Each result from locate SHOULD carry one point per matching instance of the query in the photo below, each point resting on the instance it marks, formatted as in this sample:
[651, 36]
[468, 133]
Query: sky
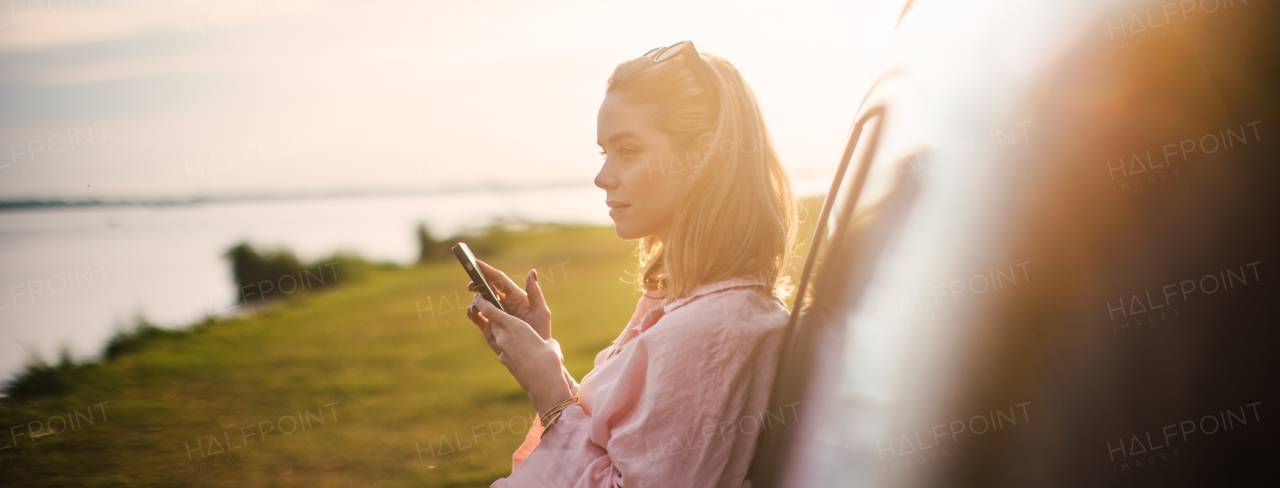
[149, 99]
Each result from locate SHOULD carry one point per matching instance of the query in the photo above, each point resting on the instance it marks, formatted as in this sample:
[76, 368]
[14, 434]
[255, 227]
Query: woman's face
[640, 186]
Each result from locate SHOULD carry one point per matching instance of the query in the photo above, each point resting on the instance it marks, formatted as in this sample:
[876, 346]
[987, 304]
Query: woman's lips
[615, 206]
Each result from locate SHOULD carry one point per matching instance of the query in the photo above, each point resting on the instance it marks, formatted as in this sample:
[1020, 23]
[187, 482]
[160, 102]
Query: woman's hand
[530, 307]
[483, 323]
[535, 362]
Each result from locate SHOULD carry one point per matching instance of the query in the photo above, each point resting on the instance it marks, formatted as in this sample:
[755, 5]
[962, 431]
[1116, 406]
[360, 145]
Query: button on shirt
[679, 399]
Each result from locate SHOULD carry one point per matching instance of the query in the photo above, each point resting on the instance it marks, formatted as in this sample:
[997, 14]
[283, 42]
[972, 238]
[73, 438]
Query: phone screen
[468, 261]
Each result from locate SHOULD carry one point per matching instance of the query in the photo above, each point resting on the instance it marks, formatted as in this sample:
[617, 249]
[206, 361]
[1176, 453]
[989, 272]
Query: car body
[1048, 258]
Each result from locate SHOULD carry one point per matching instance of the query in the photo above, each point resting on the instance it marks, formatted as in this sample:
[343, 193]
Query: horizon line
[304, 195]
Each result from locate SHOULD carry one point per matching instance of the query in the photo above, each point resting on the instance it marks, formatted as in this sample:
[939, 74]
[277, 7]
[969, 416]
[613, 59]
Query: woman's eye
[625, 153]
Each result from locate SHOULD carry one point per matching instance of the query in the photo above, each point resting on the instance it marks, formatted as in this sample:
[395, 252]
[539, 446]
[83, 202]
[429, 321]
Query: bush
[128, 342]
[430, 249]
[268, 275]
[485, 242]
[39, 378]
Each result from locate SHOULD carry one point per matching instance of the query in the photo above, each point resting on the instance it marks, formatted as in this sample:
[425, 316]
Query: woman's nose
[605, 179]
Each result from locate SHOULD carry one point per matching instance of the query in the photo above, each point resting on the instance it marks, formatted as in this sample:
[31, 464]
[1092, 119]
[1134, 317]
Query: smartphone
[468, 261]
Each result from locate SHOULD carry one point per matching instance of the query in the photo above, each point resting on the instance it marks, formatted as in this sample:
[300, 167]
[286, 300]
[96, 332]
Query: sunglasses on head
[695, 63]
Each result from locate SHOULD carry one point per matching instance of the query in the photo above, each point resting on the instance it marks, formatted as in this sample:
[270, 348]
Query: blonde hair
[738, 217]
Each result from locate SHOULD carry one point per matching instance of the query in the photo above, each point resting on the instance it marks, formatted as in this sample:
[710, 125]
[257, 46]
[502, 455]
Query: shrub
[268, 275]
[131, 341]
[430, 249]
[485, 242]
[39, 378]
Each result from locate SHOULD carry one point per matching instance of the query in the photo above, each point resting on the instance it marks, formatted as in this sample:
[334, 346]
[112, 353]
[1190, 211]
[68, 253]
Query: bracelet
[559, 406]
[547, 426]
[553, 414]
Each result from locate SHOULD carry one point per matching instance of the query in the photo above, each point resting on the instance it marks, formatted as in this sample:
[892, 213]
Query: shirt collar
[708, 288]
[704, 289]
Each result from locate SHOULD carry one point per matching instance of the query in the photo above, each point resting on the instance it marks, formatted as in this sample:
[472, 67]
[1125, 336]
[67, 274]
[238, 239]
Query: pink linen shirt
[678, 400]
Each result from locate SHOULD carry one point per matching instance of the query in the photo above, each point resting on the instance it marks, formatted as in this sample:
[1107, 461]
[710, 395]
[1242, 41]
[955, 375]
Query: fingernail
[535, 275]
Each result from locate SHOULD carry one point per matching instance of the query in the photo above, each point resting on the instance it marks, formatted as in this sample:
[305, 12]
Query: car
[1048, 257]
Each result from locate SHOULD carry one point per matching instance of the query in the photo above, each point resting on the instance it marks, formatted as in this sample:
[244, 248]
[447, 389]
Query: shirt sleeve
[671, 418]
[533, 437]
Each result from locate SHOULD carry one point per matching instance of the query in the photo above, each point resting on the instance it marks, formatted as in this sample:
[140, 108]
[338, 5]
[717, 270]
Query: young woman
[679, 398]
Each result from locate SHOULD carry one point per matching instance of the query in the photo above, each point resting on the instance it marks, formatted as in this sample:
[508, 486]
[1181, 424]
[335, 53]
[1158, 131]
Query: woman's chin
[624, 232]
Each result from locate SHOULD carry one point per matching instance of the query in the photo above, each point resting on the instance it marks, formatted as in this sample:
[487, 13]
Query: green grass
[401, 379]
[398, 379]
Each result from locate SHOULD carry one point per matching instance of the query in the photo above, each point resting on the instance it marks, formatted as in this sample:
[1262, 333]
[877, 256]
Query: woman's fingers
[504, 337]
[500, 281]
[536, 364]
[538, 315]
[506, 326]
[536, 300]
[496, 317]
[473, 313]
[484, 325]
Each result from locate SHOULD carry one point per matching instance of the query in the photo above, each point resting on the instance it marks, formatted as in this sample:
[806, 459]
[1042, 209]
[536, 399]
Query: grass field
[381, 381]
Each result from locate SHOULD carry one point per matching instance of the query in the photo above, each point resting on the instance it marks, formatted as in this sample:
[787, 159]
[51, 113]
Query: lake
[73, 276]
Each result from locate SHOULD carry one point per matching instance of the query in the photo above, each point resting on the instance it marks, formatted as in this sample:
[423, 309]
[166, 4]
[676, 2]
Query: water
[73, 276]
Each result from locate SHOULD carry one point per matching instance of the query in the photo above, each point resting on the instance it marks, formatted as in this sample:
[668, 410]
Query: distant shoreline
[11, 205]
[359, 193]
